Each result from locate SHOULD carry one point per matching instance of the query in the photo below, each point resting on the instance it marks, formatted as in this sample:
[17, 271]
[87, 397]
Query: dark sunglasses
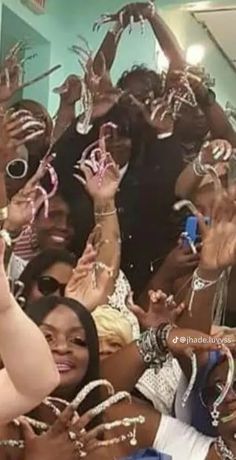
[210, 394]
[48, 285]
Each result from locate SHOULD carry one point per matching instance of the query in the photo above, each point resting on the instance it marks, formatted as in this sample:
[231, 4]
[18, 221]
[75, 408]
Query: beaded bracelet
[162, 335]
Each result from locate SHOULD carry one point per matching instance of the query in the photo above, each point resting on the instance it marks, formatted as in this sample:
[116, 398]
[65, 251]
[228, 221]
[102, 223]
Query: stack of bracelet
[152, 345]
[199, 168]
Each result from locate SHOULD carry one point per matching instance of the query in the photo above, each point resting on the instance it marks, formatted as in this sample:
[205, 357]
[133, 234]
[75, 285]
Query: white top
[161, 388]
[181, 441]
[16, 267]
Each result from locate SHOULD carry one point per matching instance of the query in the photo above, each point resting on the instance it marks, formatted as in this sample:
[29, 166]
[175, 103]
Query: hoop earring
[20, 161]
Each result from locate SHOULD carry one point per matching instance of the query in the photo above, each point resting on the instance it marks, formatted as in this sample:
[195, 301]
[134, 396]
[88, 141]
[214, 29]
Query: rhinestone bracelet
[162, 335]
[223, 451]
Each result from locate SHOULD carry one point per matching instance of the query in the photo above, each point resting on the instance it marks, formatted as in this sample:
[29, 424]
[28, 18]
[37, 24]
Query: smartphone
[192, 232]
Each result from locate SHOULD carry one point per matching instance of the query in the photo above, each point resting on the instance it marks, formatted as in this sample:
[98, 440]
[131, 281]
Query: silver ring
[79, 445]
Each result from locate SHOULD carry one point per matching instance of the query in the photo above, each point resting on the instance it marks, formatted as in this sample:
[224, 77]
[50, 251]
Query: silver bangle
[152, 346]
[199, 284]
[198, 168]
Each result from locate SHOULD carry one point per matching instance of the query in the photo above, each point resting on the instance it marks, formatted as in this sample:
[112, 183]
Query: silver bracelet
[222, 450]
[198, 168]
[199, 284]
[152, 346]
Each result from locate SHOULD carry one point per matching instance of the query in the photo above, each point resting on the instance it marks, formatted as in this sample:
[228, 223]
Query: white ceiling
[222, 25]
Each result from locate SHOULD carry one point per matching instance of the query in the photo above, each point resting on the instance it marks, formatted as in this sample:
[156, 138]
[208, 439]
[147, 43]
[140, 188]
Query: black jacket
[144, 200]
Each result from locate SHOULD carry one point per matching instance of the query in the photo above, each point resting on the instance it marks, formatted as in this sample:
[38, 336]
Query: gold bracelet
[3, 213]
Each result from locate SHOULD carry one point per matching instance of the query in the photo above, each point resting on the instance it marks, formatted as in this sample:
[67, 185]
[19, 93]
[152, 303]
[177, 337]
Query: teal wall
[67, 18]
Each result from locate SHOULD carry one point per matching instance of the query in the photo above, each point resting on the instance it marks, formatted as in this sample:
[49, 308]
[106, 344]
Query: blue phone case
[191, 228]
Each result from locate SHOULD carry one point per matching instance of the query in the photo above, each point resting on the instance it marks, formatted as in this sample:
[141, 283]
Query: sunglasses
[210, 394]
[17, 169]
[48, 285]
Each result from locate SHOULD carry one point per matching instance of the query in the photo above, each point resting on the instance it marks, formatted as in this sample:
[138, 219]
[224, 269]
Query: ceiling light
[195, 54]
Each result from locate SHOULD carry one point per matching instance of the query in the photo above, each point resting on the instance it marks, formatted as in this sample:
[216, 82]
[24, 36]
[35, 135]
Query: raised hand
[66, 438]
[70, 91]
[128, 15]
[161, 309]
[17, 128]
[24, 205]
[178, 93]
[11, 73]
[101, 176]
[90, 280]
[99, 95]
[219, 239]
[215, 151]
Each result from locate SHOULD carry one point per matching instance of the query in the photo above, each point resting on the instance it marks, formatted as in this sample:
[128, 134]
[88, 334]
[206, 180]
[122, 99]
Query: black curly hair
[150, 79]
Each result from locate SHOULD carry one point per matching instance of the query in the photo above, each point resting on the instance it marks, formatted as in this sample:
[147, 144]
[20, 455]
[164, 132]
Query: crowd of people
[117, 260]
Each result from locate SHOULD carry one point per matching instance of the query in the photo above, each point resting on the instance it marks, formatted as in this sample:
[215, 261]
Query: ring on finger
[72, 436]
[79, 445]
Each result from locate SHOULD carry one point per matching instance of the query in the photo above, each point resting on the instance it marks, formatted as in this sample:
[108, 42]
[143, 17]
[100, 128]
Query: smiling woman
[71, 335]
[46, 274]
[56, 230]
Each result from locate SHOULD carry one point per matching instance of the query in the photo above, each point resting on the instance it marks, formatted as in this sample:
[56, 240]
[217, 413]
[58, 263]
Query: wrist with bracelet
[14, 234]
[222, 450]
[199, 284]
[152, 345]
[104, 208]
[105, 213]
[199, 168]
